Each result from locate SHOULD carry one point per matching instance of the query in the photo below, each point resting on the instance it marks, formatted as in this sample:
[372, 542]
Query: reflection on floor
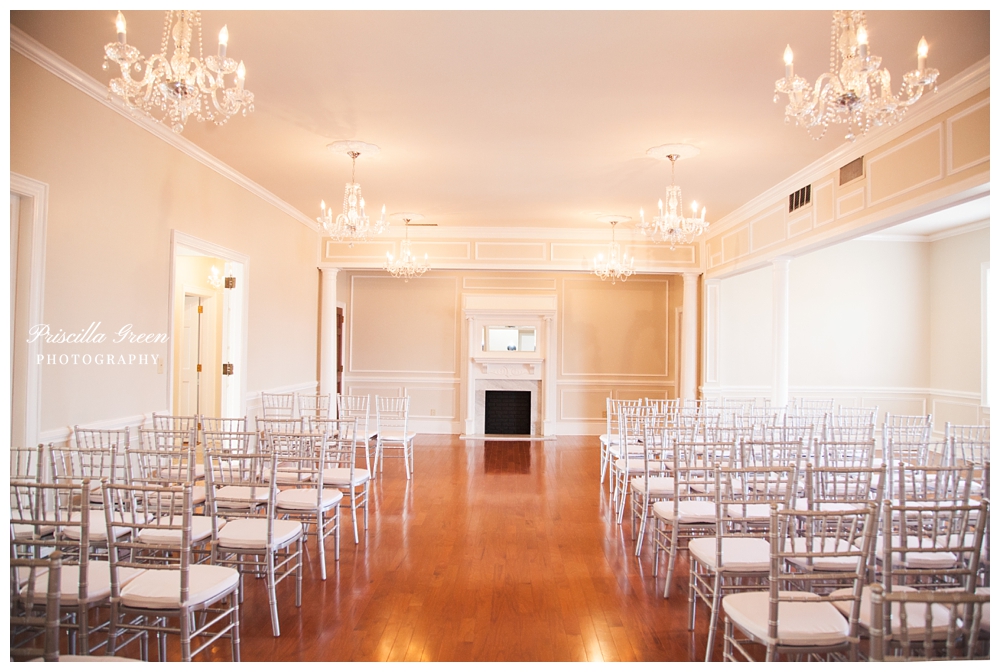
[507, 457]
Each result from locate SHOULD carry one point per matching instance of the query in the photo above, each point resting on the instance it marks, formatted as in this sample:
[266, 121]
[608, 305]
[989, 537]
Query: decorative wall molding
[34, 51]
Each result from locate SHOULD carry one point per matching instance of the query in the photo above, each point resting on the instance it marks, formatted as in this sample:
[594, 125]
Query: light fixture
[614, 264]
[407, 265]
[184, 85]
[352, 224]
[671, 226]
[217, 281]
[856, 91]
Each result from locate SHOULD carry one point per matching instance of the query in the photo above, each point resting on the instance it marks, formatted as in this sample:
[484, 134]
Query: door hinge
[198, 368]
[227, 369]
[230, 282]
[201, 309]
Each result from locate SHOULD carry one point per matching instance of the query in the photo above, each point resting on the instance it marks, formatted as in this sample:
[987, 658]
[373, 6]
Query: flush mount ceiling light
[352, 224]
[184, 85]
[406, 266]
[613, 264]
[671, 226]
[856, 91]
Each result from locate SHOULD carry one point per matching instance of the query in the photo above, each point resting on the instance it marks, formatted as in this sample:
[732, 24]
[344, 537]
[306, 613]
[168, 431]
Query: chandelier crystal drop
[407, 265]
[613, 264]
[352, 224]
[184, 85]
[856, 91]
[670, 226]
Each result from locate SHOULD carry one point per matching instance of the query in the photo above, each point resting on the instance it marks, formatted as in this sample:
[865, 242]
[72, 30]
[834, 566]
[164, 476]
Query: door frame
[239, 347]
[38, 192]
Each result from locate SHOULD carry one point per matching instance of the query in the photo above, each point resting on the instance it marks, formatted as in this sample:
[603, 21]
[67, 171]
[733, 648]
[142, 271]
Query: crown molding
[972, 80]
[929, 237]
[41, 55]
[600, 234]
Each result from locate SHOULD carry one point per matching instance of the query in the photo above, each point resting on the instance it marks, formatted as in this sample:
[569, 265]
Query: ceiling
[519, 118]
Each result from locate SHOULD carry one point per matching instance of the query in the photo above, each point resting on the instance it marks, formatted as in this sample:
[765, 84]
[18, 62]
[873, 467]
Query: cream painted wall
[955, 329]
[115, 193]
[745, 331]
[616, 340]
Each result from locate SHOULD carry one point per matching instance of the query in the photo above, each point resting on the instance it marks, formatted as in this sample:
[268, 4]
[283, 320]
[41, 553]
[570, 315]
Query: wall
[618, 340]
[893, 323]
[115, 193]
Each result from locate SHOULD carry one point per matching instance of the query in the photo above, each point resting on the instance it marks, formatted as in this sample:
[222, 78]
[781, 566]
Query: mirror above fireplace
[508, 338]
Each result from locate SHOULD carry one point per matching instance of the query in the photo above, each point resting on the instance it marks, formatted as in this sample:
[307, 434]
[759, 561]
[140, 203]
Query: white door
[190, 357]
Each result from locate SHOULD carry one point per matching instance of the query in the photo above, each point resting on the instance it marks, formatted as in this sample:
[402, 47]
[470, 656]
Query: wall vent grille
[800, 198]
[852, 170]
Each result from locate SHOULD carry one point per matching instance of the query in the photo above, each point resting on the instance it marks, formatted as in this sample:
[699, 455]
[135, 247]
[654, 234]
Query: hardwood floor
[493, 552]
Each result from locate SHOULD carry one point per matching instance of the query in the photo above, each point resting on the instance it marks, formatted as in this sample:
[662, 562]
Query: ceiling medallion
[351, 225]
[613, 264]
[184, 85]
[856, 91]
[406, 266]
[670, 226]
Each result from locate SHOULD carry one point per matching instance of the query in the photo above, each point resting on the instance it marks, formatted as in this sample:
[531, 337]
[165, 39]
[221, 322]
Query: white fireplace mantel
[491, 369]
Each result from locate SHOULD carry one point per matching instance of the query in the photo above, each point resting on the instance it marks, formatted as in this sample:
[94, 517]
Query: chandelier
[174, 88]
[352, 224]
[856, 91]
[613, 264]
[216, 279]
[407, 265]
[671, 226]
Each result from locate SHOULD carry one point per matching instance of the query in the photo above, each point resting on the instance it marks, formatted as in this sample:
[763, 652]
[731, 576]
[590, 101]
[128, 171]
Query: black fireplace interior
[508, 412]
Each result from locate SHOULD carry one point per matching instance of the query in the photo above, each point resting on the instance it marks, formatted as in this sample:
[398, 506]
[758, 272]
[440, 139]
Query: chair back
[923, 484]
[210, 424]
[228, 443]
[342, 445]
[910, 429]
[278, 405]
[967, 444]
[162, 458]
[775, 453]
[392, 414]
[240, 485]
[840, 487]
[186, 423]
[858, 454]
[356, 406]
[914, 636]
[33, 615]
[280, 426]
[313, 405]
[26, 462]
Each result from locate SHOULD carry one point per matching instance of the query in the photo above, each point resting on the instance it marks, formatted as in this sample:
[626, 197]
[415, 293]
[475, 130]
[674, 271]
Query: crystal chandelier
[407, 265]
[613, 264]
[671, 226]
[184, 85]
[856, 91]
[352, 224]
[217, 281]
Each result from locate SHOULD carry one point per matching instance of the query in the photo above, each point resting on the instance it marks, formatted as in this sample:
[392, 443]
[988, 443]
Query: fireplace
[507, 412]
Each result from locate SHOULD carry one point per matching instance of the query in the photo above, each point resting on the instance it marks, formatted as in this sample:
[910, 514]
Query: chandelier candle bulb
[241, 75]
[862, 42]
[922, 54]
[223, 41]
[788, 62]
[120, 27]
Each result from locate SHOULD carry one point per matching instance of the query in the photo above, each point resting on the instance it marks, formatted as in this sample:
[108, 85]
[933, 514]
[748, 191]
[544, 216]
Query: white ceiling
[516, 119]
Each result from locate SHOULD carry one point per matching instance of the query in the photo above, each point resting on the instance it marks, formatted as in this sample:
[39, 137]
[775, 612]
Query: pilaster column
[470, 377]
[549, 384]
[328, 333]
[779, 331]
[689, 337]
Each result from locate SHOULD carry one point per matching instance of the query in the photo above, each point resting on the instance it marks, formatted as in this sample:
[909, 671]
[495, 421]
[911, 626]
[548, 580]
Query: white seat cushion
[341, 477]
[251, 533]
[98, 526]
[810, 623]
[633, 465]
[23, 531]
[201, 529]
[749, 511]
[98, 582]
[305, 498]
[396, 436]
[917, 559]
[659, 486]
[161, 588]
[916, 613]
[176, 472]
[610, 439]
[241, 494]
[289, 473]
[739, 554]
[688, 510]
[828, 564]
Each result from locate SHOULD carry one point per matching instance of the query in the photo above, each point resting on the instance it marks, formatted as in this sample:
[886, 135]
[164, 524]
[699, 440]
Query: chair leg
[298, 571]
[235, 633]
[112, 645]
[320, 539]
[713, 618]
[692, 596]
[272, 596]
[642, 525]
[365, 502]
[672, 560]
[185, 623]
[336, 534]
[727, 641]
[354, 512]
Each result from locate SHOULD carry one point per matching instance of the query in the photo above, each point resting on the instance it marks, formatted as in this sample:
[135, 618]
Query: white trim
[869, 168]
[972, 80]
[179, 238]
[984, 297]
[39, 194]
[39, 54]
[62, 435]
[928, 237]
[951, 169]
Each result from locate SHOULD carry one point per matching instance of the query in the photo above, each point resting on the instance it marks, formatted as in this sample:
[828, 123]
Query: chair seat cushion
[251, 533]
[98, 527]
[610, 439]
[341, 477]
[305, 498]
[808, 623]
[201, 529]
[659, 486]
[739, 554]
[688, 511]
[176, 473]
[635, 465]
[916, 613]
[161, 588]
[229, 495]
[749, 511]
[289, 473]
[23, 532]
[98, 582]
[920, 557]
[396, 436]
[837, 563]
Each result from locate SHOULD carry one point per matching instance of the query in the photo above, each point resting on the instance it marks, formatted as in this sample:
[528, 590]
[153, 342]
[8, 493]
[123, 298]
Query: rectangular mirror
[508, 339]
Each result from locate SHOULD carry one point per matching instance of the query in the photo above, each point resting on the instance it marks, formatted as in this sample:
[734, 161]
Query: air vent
[852, 171]
[801, 197]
